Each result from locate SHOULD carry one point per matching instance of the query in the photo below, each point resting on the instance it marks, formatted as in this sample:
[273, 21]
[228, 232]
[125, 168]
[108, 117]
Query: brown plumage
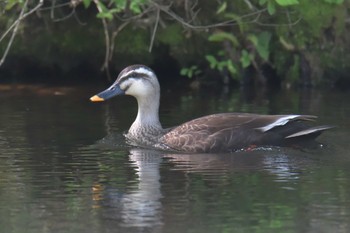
[224, 132]
[233, 131]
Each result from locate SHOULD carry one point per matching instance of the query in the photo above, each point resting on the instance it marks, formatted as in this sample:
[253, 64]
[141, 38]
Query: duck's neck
[147, 120]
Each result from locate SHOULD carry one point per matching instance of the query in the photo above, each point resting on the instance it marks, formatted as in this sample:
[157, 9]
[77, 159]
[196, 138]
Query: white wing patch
[280, 121]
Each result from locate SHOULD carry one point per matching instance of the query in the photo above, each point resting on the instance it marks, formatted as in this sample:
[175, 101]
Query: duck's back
[231, 131]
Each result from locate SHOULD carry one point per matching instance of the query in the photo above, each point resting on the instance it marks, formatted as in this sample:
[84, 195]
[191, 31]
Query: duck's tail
[311, 132]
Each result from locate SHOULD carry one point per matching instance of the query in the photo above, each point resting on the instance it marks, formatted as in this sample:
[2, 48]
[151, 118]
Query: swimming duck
[224, 132]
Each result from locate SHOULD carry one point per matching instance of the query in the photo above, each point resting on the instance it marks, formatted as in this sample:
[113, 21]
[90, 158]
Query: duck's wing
[230, 131]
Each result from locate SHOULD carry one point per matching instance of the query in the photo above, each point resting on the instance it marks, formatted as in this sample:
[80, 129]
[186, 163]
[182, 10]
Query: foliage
[253, 46]
[221, 65]
[191, 71]
[116, 6]
[223, 35]
[259, 49]
[321, 27]
[11, 3]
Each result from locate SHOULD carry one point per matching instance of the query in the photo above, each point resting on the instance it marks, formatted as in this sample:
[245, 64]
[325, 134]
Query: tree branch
[154, 31]
[203, 27]
[114, 35]
[105, 65]
[15, 25]
[22, 17]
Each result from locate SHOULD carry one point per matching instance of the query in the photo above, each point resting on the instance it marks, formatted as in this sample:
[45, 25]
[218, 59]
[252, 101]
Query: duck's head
[136, 80]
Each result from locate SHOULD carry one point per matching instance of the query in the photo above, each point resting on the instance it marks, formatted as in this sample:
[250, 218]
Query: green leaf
[222, 36]
[245, 59]
[222, 8]
[184, 71]
[190, 71]
[254, 39]
[231, 67]
[263, 45]
[221, 65]
[135, 7]
[103, 8]
[271, 7]
[121, 3]
[262, 2]
[87, 3]
[114, 10]
[287, 2]
[105, 15]
[212, 61]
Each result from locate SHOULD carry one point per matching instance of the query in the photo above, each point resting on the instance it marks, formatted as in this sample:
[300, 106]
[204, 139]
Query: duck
[216, 133]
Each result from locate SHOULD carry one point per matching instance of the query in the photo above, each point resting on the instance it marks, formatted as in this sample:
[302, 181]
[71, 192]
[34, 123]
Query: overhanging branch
[14, 27]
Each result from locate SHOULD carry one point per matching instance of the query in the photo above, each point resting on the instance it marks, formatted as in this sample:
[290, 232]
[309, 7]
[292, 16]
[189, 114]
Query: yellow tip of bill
[96, 98]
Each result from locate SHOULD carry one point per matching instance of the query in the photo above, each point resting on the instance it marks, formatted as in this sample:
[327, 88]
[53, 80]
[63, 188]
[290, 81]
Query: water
[64, 167]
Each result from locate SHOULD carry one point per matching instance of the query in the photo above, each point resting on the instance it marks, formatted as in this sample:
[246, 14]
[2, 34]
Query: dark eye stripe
[126, 88]
[132, 75]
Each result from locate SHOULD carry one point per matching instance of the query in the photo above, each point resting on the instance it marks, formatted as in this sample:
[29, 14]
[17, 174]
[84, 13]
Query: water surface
[65, 168]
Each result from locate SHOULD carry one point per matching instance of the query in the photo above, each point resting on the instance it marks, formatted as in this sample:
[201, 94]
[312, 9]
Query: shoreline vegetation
[247, 43]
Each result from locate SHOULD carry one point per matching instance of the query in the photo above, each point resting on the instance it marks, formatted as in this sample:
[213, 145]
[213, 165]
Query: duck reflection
[137, 206]
[140, 205]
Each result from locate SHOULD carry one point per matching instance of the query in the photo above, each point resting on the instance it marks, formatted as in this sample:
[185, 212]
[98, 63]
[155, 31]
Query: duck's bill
[114, 90]
[96, 98]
